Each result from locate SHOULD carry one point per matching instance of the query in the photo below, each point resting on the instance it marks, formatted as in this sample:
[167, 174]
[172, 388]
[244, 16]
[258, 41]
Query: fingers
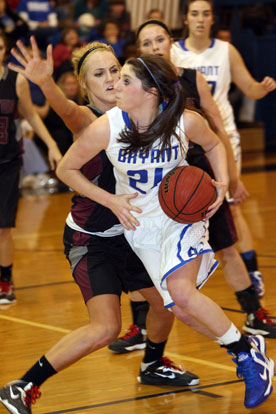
[49, 53]
[23, 50]
[133, 208]
[16, 68]
[214, 208]
[129, 222]
[18, 57]
[269, 83]
[52, 164]
[35, 47]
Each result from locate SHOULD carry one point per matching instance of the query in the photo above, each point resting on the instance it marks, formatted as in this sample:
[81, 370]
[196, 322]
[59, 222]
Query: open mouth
[110, 88]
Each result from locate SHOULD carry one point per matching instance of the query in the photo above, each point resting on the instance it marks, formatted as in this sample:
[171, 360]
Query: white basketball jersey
[142, 173]
[214, 65]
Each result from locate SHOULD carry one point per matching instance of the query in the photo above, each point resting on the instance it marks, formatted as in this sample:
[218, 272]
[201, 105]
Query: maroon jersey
[10, 133]
[88, 214]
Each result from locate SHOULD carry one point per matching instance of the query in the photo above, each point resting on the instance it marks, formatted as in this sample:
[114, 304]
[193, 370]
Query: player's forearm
[218, 160]
[41, 130]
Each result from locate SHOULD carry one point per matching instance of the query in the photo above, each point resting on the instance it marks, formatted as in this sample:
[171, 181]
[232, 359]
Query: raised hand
[34, 68]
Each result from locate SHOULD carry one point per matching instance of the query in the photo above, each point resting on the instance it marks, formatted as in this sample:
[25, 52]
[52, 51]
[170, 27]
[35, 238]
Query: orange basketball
[185, 194]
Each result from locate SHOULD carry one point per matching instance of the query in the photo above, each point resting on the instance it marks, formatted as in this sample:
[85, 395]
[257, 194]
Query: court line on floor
[62, 330]
[197, 389]
[34, 324]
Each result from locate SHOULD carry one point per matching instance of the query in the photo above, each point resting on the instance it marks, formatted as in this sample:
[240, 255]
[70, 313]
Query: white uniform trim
[214, 65]
[162, 244]
[113, 231]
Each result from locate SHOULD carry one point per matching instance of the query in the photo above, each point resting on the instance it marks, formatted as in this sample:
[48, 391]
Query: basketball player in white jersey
[220, 63]
[144, 137]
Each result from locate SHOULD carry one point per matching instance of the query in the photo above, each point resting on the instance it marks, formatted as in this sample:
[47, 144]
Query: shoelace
[31, 395]
[262, 315]
[133, 330]
[167, 363]
[5, 287]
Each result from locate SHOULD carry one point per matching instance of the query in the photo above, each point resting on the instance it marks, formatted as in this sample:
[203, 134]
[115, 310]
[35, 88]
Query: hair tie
[163, 105]
[176, 83]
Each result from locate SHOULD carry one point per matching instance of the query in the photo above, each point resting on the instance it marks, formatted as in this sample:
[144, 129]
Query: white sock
[230, 336]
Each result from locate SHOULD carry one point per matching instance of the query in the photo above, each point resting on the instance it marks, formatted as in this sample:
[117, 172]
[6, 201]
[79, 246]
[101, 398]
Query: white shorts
[164, 246]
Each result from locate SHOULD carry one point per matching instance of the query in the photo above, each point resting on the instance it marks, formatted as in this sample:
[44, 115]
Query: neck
[143, 119]
[197, 44]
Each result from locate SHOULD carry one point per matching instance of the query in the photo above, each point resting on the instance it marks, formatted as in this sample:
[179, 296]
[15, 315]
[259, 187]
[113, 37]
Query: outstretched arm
[28, 111]
[243, 79]
[39, 71]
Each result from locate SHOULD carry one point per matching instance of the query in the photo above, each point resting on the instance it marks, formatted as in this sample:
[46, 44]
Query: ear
[82, 84]
[152, 93]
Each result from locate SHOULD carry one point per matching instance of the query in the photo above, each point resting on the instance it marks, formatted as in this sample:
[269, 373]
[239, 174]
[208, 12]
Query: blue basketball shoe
[257, 370]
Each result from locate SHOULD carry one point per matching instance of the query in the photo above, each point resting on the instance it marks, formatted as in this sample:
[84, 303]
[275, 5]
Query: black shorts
[103, 265]
[222, 231]
[9, 192]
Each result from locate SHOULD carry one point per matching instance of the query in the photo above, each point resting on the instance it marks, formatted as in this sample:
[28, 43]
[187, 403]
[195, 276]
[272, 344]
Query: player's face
[2, 50]
[102, 73]
[154, 40]
[130, 94]
[199, 19]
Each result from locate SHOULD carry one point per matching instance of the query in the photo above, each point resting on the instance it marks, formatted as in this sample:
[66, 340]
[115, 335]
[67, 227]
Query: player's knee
[183, 299]
[227, 254]
[102, 335]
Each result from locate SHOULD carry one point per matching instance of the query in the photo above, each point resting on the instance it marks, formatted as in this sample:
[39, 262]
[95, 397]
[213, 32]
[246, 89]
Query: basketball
[185, 194]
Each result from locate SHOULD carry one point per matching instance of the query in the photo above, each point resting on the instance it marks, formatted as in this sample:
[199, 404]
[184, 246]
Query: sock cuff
[231, 335]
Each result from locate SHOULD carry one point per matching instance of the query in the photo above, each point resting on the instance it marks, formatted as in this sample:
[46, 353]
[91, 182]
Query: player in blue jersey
[144, 138]
[154, 37]
[220, 63]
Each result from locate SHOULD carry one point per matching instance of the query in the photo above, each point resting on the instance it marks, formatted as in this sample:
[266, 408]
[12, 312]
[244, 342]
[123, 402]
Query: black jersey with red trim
[88, 214]
[10, 132]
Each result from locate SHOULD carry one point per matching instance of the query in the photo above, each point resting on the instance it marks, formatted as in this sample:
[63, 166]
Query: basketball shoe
[257, 342]
[257, 370]
[257, 280]
[18, 396]
[259, 323]
[7, 295]
[135, 338]
[163, 372]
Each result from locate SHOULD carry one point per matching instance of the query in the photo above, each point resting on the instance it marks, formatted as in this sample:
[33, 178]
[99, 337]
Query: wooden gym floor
[49, 305]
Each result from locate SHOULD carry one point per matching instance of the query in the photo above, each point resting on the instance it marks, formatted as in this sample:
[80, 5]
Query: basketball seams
[191, 196]
[172, 188]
